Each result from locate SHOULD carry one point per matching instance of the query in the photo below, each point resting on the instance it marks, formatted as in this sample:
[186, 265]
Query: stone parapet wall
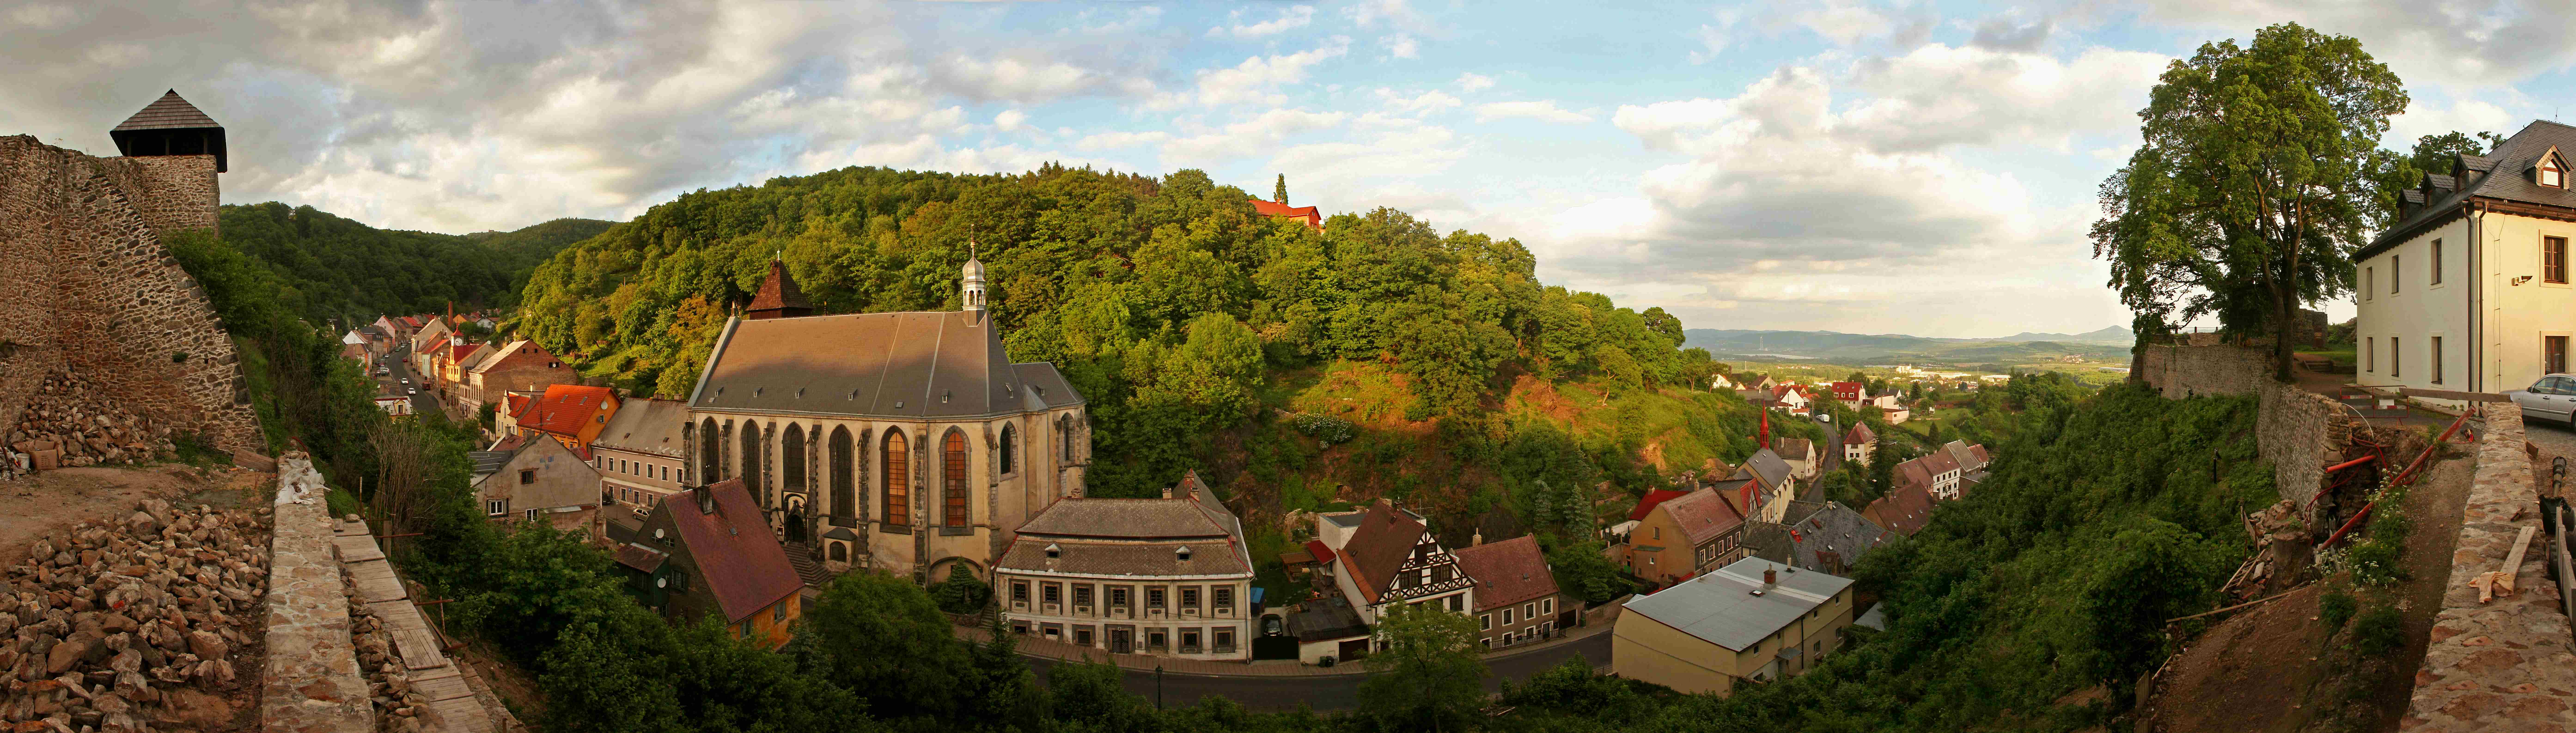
[2505, 665]
[2299, 432]
[94, 293]
[312, 683]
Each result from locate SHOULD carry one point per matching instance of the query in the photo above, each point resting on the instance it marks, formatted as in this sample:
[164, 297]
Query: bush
[2381, 630]
[2335, 608]
[1325, 429]
[961, 592]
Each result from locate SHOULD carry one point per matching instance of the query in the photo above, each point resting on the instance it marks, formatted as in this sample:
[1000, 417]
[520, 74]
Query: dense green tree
[881, 636]
[1430, 676]
[2251, 185]
[1279, 191]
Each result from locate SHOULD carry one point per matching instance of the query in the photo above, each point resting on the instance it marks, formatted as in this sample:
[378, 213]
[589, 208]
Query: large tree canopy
[2252, 184]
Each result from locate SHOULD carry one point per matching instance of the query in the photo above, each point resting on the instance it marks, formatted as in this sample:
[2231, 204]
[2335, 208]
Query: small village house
[1800, 454]
[569, 413]
[1904, 510]
[1168, 577]
[709, 551]
[1392, 558]
[1751, 620]
[1685, 535]
[640, 457]
[1517, 600]
[536, 480]
[518, 365]
[1769, 485]
[1859, 443]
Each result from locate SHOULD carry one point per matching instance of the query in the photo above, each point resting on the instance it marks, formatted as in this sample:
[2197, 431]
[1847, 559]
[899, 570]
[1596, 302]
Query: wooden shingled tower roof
[779, 297]
[171, 126]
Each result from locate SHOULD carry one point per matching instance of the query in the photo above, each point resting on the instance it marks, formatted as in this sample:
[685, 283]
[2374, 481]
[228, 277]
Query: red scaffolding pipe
[2402, 476]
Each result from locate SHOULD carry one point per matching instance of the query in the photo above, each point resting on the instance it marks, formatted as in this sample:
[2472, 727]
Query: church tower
[778, 297]
[974, 285]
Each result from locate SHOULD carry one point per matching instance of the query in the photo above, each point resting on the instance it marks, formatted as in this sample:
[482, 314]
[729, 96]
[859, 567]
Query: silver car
[2552, 398]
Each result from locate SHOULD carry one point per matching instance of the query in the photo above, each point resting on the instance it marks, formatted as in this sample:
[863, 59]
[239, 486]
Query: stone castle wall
[91, 291]
[2299, 432]
[2507, 664]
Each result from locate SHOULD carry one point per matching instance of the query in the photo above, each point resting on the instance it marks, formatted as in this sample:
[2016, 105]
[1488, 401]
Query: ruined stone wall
[2503, 665]
[2299, 432]
[92, 292]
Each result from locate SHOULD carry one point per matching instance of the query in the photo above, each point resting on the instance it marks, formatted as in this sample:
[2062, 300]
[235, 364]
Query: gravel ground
[2554, 441]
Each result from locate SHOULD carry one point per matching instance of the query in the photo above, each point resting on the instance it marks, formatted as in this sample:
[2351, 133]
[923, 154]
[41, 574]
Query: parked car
[2552, 398]
[416, 390]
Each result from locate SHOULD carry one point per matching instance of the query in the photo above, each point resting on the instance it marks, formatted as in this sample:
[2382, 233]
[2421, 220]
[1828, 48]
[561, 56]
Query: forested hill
[1169, 302]
[334, 270]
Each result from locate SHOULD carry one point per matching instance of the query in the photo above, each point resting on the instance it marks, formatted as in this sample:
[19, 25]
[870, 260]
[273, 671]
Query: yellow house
[2470, 289]
[1751, 620]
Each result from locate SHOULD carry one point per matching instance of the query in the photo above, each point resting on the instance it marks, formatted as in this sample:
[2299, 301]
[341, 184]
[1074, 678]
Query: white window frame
[496, 507]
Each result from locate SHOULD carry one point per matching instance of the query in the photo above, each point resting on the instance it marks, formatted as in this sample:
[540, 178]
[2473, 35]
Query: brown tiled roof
[1507, 572]
[1385, 538]
[778, 292]
[1858, 435]
[1793, 449]
[640, 557]
[1134, 536]
[1213, 556]
[742, 561]
[1732, 490]
[1914, 473]
[496, 356]
[1647, 505]
[1903, 511]
[646, 426]
[564, 408]
[906, 365]
[1703, 515]
[167, 113]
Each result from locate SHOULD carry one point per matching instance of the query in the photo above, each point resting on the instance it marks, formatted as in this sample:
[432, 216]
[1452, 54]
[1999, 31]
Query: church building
[903, 442]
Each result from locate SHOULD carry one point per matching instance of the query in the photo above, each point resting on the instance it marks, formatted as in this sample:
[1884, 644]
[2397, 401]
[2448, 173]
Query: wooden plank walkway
[359, 548]
[342, 528]
[444, 683]
[459, 715]
[376, 582]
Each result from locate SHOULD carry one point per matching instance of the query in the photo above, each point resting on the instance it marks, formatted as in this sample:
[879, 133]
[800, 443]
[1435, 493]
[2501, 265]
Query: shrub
[961, 592]
[1325, 429]
[2381, 630]
[2335, 608]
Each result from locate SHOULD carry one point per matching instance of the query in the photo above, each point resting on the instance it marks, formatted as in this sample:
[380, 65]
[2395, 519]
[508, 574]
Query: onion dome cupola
[973, 297]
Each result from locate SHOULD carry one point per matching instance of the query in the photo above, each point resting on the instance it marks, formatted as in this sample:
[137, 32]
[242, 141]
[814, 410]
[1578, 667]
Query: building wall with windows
[2402, 311]
[542, 481]
[1189, 617]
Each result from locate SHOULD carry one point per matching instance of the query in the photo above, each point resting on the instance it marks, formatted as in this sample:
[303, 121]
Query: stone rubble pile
[68, 425]
[111, 620]
[398, 707]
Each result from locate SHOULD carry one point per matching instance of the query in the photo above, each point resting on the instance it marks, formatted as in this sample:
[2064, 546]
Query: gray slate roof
[646, 426]
[914, 365]
[2497, 175]
[1720, 607]
[1835, 529]
[1767, 466]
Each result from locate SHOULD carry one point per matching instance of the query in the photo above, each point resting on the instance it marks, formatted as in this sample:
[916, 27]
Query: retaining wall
[2505, 665]
[2299, 432]
[312, 684]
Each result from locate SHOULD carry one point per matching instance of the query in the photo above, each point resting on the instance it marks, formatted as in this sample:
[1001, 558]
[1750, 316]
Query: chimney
[1770, 577]
[707, 500]
[1167, 492]
[1477, 539]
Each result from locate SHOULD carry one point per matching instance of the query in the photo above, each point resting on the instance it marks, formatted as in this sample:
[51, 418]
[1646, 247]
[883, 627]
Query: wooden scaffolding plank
[400, 615]
[443, 683]
[460, 715]
[358, 548]
[345, 529]
[376, 582]
[419, 649]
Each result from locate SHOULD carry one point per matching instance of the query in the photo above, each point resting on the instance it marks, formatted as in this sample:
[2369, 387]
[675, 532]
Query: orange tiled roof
[564, 408]
[1308, 214]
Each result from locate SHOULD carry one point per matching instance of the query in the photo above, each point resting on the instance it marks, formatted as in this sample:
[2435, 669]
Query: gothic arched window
[791, 461]
[1007, 461]
[895, 464]
[710, 452]
[751, 463]
[953, 475]
[843, 500]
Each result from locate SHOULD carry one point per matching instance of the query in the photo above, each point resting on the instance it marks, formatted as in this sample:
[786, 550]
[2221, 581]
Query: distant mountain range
[1841, 347]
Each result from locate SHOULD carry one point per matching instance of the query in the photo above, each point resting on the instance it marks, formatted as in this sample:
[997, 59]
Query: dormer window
[1053, 551]
[2551, 174]
[1183, 553]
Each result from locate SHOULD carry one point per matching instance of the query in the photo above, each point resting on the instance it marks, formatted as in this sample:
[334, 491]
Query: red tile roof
[1385, 538]
[1703, 515]
[564, 408]
[1903, 511]
[734, 550]
[1848, 390]
[1507, 572]
[1859, 435]
[1307, 214]
[1647, 505]
[1323, 553]
[458, 352]
[640, 557]
[518, 405]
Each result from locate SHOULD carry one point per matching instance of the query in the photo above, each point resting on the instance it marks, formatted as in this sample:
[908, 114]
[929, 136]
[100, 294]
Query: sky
[1913, 167]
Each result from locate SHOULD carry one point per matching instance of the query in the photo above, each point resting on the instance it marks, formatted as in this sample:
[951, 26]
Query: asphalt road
[1334, 692]
[401, 364]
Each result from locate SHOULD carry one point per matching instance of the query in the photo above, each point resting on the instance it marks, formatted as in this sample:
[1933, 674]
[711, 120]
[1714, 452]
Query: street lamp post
[1158, 687]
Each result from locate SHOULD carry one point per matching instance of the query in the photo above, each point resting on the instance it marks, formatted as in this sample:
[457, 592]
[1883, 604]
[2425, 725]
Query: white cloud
[42, 16]
[1398, 14]
[1424, 103]
[2467, 46]
[1402, 46]
[1842, 22]
[1292, 18]
[1544, 111]
[1473, 82]
[1257, 78]
[1713, 39]
[1111, 140]
[1247, 138]
[1011, 120]
[2423, 117]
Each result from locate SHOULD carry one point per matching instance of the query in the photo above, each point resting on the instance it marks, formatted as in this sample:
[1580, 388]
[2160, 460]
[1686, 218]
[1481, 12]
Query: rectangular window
[2368, 361]
[1082, 595]
[2396, 357]
[2437, 360]
[1189, 640]
[2437, 262]
[2553, 260]
[1225, 640]
[1190, 597]
[496, 507]
[2396, 275]
[1485, 622]
[1154, 597]
[2553, 351]
[1547, 606]
[1019, 592]
[532, 514]
[2369, 283]
[1082, 635]
[1507, 617]
[1118, 596]
[527, 476]
[1054, 593]
[1529, 610]
[1457, 604]
[1221, 597]
[778, 612]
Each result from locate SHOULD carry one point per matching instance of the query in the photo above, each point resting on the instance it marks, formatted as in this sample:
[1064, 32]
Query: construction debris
[2500, 581]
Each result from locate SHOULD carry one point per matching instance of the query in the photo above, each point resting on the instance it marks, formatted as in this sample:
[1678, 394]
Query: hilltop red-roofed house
[710, 550]
[1685, 535]
[1305, 214]
[1849, 393]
